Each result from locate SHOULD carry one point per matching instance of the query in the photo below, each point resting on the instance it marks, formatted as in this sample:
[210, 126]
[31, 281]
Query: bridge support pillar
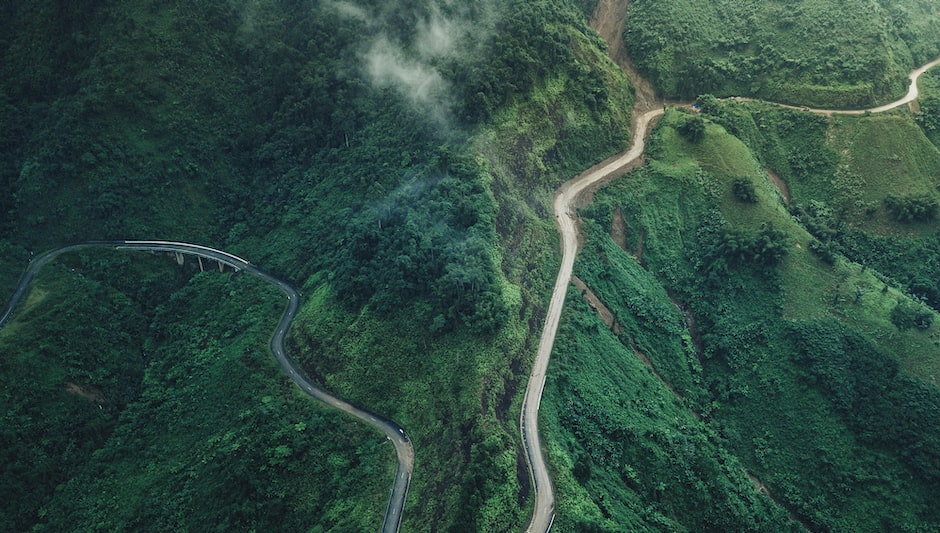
[179, 258]
[201, 269]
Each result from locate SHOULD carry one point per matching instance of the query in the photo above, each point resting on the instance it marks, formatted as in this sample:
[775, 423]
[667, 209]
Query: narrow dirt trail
[608, 21]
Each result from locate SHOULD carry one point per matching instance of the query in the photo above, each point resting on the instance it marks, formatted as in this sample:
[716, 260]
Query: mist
[410, 60]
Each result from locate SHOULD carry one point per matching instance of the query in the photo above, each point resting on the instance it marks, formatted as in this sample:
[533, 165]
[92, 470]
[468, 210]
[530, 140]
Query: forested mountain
[838, 54]
[771, 362]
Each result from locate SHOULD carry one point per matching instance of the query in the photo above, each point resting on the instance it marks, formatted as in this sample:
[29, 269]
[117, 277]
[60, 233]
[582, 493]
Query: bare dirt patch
[618, 230]
[597, 305]
[649, 364]
[608, 21]
[91, 393]
[780, 184]
[640, 241]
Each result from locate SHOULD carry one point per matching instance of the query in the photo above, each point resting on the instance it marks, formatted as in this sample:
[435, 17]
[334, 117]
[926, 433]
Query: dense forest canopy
[333, 143]
[752, 346]
[845, 54]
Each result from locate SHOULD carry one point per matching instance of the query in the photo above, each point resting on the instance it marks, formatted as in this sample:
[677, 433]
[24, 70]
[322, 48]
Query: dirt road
[565, 216]
[608, 21]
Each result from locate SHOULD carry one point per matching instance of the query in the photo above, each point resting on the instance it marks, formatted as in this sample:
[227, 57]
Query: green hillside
[816, 393]
[846, 54]
[771, 362]
[370, 154]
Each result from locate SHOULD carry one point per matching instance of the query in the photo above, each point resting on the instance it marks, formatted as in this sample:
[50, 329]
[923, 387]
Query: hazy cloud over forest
[412, 65]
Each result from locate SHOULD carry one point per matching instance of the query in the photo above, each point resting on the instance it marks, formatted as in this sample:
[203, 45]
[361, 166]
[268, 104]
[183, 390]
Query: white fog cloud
[411, 66]
[346, 9]
[388, 66]
[438, 36]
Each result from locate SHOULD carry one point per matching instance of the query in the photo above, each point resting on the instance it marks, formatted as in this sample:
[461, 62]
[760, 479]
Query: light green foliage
[928, 103]
[883, 156]
[645, 320]
[630, 455]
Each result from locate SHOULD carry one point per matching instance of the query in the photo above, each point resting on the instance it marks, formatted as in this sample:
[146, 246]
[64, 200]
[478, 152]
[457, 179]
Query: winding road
[912, 94]
[565, 203]
[394, 432]
[564, 206]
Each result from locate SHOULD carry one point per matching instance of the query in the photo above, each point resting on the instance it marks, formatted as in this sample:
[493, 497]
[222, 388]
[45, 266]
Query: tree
[907, 314]
[912, 208]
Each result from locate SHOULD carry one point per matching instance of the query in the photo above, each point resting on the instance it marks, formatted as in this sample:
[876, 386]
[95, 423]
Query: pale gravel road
[565, 204]
[564, 207]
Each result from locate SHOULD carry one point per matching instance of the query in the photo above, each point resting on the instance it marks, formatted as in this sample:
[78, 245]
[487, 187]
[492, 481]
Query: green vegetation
[846, 54]
[822, 391]
[692, 128]
[927, 114]
[912, 208]
[397, 162]
[743, 190]
[628, 453]
[158, 420]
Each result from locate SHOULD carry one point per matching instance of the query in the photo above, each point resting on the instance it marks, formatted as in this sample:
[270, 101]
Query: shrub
[824, 250]
[692, 129]
[912, 208]
[907, 315]
[744, 191]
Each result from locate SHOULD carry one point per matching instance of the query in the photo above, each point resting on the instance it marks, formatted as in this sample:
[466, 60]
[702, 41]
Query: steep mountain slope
[764, 365]
[846, 54]
[769, 394]
[394, 160]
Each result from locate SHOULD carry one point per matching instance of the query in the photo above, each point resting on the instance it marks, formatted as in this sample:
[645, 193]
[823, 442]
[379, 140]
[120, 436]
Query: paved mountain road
[394, 432]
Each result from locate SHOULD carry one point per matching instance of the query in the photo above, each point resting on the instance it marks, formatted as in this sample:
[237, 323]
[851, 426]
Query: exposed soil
[761, 488]
[608, 21]
[779, 183]
[618, 230]
[597, 305]
[92, 393]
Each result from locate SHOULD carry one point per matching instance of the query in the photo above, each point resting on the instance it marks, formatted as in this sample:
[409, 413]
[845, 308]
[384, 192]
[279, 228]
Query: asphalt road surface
[392, 431]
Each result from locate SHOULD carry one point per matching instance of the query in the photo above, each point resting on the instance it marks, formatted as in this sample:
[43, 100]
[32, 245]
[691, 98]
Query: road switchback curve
[403, 447]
